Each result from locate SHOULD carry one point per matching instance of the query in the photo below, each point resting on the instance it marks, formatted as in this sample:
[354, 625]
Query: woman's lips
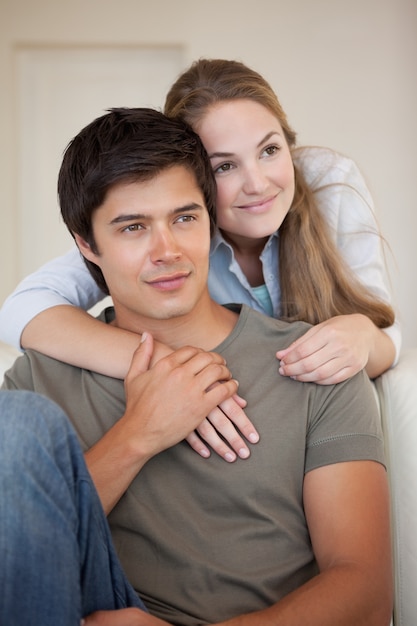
[260, 206]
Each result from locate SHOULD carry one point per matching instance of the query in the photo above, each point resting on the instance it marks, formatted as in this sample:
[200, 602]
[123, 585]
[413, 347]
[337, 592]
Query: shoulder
[315, 161]
[256, 326]
[91, 401]
[341, 192]
[319, 164]
[34, 370]
[345, 421]
[19, 375]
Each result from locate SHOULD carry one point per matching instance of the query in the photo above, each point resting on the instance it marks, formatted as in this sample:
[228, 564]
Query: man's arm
[163, 405]
[347, 509]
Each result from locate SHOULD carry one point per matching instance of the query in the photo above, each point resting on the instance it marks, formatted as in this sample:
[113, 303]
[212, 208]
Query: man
[296, 534]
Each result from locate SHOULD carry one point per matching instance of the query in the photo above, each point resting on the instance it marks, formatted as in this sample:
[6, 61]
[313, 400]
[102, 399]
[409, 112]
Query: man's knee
[39, 452]
[21, 406]
[27, 417]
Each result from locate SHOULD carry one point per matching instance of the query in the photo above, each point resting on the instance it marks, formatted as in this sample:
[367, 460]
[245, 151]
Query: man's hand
[123, 617]
[224, 427]
[165, 403]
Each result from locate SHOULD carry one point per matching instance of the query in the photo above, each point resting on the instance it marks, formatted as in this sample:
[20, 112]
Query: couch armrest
[397, 392]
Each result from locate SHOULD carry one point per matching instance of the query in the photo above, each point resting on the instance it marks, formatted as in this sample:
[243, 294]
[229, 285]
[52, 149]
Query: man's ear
[85, 249]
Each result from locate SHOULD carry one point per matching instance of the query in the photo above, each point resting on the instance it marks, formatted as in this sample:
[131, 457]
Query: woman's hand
[227, 420]
[336, 350]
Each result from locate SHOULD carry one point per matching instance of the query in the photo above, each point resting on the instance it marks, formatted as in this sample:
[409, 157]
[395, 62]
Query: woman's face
[253, 168]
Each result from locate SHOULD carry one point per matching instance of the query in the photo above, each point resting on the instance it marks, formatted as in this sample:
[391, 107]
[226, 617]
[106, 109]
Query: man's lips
[168, 282]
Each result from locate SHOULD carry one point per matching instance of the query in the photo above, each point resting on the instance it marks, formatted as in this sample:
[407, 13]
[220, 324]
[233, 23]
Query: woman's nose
[255, 180]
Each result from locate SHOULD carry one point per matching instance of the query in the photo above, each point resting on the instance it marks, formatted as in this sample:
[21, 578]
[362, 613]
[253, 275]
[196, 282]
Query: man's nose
[164, 246]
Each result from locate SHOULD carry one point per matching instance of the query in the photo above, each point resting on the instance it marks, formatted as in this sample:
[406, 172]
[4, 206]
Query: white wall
[344, 71]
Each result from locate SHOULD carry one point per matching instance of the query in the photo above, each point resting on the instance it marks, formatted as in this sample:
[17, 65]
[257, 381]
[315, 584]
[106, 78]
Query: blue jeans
[57, 561]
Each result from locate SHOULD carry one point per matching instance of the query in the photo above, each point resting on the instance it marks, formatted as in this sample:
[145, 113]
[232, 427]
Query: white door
[49, 90]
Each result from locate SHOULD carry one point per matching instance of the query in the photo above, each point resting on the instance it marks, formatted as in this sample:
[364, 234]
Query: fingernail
[229, 456]
[253, 437]
[244, 453]
[143, 338]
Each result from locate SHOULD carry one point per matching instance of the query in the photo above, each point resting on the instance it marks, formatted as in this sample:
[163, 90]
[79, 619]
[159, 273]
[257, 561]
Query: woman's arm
[69, 334]
[62, 281]
[336, 350]
[110, 352]
[47, 312]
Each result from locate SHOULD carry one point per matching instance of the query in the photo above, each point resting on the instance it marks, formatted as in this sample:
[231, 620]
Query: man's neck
[205, 327]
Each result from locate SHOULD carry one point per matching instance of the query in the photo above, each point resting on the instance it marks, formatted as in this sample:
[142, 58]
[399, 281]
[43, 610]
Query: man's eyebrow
[216, 155]
[132, 217]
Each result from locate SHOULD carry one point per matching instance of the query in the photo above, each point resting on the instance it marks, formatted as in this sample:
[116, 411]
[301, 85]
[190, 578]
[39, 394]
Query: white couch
[397, 396]
[397, 393]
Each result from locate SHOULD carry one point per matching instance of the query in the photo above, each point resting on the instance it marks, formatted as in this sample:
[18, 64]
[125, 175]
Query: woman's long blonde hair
[316, 284]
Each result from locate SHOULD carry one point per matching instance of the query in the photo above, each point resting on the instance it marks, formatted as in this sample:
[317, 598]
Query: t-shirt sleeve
[344, 425]
[19, 376]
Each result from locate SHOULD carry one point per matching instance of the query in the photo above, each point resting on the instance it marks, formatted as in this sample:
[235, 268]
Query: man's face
[153, 241]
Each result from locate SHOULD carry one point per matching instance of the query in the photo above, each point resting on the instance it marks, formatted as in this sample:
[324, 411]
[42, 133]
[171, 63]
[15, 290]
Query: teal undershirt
[262, 295]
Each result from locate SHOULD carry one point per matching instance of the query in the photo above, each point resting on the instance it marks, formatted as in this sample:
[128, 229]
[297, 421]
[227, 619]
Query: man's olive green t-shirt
[202, 540]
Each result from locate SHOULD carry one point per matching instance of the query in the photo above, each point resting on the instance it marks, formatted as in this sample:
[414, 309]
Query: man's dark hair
[126, 145]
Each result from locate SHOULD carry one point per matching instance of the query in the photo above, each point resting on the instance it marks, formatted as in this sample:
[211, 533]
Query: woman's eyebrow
[223, 155]
[268, 136]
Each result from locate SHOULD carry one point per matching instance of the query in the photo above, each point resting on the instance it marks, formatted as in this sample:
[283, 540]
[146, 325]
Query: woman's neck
[247, 253]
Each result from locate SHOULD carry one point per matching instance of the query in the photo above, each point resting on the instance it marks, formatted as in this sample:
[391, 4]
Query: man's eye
[185, 218]
[132, 228]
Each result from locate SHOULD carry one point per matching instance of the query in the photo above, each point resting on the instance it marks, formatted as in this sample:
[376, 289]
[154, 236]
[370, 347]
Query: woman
[297, 239]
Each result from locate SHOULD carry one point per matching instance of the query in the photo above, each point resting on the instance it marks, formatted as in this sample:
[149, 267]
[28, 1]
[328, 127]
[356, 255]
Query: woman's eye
[270, 150]
[224, 167]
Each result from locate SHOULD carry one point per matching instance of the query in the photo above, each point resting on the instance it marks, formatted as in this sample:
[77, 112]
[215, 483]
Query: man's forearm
[344, 595]
[113, 463]
[338, 596]
[163, 405]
